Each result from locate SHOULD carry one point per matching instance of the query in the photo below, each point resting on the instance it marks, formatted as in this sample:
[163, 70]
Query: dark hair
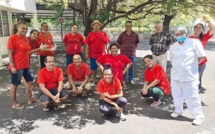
[45, 60]
[148, 56]
[44, 23]
[128, 21]
[74, 24]
[113, 44]
[201, 34]
[15, 30]
[34, 30]
[108, 67]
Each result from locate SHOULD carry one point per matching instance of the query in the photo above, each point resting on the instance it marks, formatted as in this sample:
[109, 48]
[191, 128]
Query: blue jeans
[26, 73]
[69, 58]
[131, 70]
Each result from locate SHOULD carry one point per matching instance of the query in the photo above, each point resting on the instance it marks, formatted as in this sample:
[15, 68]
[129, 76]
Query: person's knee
[104, 110]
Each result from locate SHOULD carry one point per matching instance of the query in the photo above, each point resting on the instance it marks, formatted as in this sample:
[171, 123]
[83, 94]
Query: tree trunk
[166, 22]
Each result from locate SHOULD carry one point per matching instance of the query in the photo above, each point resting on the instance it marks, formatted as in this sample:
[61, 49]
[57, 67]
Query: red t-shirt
[117, 63]
[111, 88]
[73, 43]
[50, 78]
[159, 74]
[97, 42]
[21, 50]
[33, 44]
[78, 74]
[205, 39]
[45, 39]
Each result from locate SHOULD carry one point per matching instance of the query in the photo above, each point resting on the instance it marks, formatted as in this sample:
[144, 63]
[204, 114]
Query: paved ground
[81, 115]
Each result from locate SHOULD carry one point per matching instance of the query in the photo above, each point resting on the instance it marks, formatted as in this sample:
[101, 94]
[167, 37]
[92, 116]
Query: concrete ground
[81, 115]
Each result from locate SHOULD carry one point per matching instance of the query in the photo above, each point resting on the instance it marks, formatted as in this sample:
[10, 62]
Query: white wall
[21, 5]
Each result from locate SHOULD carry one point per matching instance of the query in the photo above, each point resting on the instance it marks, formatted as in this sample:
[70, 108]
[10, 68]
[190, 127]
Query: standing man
[50, 80]
[78, 73]
[96, 44]
[128, 42]
[160, 43]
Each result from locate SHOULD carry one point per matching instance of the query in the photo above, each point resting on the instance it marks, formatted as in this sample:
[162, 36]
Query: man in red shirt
[78, 73]
[50, 81]
[96, 44]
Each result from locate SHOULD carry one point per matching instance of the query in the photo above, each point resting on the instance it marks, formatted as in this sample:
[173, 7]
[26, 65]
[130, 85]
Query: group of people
[185, 54]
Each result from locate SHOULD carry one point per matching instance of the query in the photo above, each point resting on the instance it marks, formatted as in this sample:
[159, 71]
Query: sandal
[32, 100]
[56, 107]
[18, 107]
[74, 94]
[84, 93]
[46, 108]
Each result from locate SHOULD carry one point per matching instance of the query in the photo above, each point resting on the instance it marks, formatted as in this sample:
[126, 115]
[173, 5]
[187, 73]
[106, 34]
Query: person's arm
[11, 61]
[152, 84]
[210, 24]
[87, 52]
[103, 97]
[126, 68]
[119, 94]
[85, 81]
[72, 83]
[107, 48]
[200, 59]
[100, 66]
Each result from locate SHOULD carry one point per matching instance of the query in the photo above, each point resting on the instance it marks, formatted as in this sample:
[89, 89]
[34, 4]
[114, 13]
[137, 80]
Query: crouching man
[50, 80]
[78, 73]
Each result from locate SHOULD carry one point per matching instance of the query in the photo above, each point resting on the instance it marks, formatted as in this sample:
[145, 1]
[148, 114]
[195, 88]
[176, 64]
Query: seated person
[156, 82]
[78, 73]
[111, 94]
[50, 80]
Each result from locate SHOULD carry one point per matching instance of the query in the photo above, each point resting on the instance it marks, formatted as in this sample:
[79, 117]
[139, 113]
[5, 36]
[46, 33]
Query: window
[4, 25]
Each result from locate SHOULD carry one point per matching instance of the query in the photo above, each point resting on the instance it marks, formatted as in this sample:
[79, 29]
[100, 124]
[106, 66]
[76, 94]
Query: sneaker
[175, 115]
[156, 103]
[198, 121]
[121, 115]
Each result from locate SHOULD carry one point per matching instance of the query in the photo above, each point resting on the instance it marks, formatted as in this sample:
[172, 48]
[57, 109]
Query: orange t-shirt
[45, 39]
[111, 88]
[159, 74]
[50, 78]
[21, 50]
[78, 74]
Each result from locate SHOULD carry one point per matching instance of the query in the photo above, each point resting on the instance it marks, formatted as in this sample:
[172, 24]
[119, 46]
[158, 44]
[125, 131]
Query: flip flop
[18, 107]
[32, 100]
[84, 93]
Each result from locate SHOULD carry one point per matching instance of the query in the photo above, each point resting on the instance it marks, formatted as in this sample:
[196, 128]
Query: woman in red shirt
[73, 42]
[111, 94]
[156, 82]
[198, 34]
[120, 63]
[19, 61]
[45, 37]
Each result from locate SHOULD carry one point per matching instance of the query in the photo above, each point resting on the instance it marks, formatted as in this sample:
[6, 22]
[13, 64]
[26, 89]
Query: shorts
[45, 98]
[93, 65]
[26, 73]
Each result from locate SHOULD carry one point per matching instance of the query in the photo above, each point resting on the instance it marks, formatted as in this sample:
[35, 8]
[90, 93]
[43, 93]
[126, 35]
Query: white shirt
[184, 59]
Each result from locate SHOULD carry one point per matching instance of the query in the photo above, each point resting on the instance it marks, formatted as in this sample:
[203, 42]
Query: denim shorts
[26, 73]
[93, 65]
[45, 98]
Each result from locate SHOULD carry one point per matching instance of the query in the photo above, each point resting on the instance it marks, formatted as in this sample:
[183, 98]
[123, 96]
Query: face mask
[181, 39]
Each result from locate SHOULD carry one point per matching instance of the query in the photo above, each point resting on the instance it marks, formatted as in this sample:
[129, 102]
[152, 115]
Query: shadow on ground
[78, 111]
